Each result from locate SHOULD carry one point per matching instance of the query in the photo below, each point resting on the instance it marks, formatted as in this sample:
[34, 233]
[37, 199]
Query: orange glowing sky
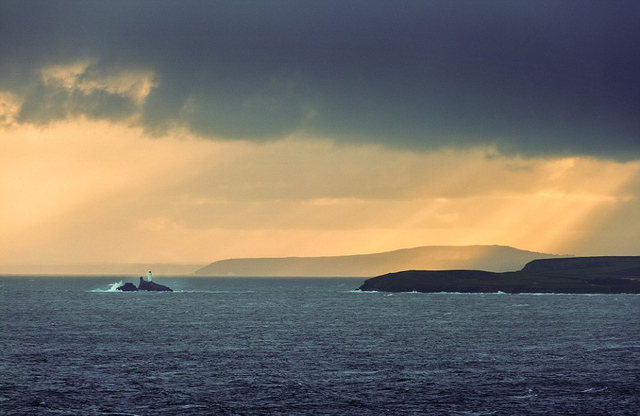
[105, 156]
[86, 191]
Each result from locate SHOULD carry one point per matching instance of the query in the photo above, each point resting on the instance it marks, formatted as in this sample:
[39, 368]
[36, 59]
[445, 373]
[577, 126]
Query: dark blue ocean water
[70, 346]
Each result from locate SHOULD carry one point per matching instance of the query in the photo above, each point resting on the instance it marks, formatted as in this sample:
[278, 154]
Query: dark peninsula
[587, 275]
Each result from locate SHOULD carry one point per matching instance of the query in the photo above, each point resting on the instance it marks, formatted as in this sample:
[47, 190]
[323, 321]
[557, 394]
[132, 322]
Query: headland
[588, 275]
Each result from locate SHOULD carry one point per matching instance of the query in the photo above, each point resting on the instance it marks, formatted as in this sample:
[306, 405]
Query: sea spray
[115, 286]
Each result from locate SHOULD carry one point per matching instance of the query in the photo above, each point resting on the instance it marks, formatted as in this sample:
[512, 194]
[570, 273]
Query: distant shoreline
[576, 275]
[486, 257]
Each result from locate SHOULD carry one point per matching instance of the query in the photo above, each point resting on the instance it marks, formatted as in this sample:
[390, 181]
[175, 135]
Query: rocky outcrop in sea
[144, 285]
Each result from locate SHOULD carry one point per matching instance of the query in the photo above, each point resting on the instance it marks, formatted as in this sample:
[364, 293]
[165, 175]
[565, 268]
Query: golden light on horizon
[94, 191]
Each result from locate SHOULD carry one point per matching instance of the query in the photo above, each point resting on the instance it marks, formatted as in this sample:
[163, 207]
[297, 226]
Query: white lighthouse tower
[149, 276]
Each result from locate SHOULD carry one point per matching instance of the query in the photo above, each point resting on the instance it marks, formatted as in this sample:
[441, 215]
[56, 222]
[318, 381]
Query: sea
[310, 346]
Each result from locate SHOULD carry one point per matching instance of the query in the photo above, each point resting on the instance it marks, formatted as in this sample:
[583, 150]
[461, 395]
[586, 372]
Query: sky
[195, 131]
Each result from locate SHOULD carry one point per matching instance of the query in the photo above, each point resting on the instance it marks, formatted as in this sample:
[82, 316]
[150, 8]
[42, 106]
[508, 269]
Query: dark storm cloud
[533, 78]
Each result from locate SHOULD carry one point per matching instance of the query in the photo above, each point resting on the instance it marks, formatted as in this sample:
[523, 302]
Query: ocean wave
[113, 287]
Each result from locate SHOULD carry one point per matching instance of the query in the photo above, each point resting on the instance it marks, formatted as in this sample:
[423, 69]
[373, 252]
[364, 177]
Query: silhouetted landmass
[494, 258]
[128, 287]
[152, 286]
[144, 285]
[560, 275]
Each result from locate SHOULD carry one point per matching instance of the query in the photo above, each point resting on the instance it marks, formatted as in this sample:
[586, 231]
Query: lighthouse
[149, 276]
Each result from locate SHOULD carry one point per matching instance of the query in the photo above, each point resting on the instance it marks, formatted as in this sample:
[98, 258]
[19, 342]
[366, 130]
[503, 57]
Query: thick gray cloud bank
[530, 77]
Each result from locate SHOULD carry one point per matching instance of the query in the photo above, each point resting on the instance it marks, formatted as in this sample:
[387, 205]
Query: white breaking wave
[113, 287]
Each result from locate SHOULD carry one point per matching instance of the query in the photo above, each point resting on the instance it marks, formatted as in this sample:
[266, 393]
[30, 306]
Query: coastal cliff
[591, 275]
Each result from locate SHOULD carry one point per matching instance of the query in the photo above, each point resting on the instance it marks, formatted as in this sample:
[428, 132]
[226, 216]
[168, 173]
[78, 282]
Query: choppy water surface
[311, 347]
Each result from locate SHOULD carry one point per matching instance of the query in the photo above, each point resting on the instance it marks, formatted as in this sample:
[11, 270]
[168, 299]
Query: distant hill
[491, 258]
[559, 275]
